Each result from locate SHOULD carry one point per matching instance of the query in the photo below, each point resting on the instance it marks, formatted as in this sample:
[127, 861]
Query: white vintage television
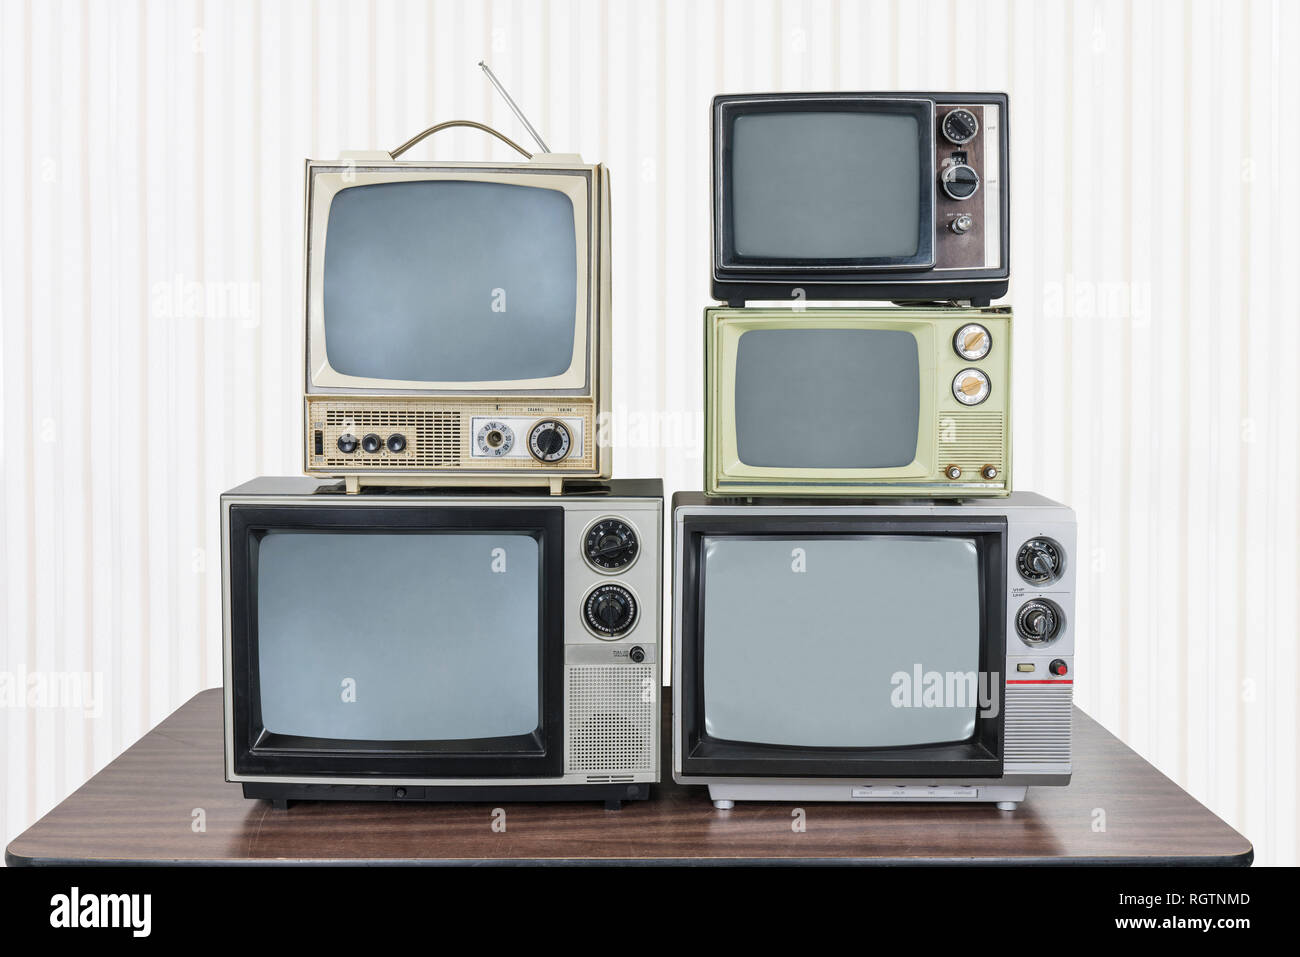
[863, 650]
[428, 644]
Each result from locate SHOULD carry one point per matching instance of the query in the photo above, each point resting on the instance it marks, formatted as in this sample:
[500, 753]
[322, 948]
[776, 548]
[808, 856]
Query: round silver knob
[963, 223]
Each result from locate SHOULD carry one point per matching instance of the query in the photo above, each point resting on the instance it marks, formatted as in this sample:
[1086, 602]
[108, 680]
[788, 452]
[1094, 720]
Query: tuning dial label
[494, 439]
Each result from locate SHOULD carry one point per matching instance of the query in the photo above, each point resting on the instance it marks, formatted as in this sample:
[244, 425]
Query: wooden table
[140, 810]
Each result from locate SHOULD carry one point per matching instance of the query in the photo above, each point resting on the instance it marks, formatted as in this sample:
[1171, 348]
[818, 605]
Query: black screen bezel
[257, 752]
[980, 756]
[728, 110]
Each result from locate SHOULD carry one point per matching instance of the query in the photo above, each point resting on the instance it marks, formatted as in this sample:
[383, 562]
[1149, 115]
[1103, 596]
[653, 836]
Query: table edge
[1243, 859]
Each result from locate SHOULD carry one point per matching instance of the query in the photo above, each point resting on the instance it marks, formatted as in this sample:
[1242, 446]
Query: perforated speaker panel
[1038, 724]
[611, 718]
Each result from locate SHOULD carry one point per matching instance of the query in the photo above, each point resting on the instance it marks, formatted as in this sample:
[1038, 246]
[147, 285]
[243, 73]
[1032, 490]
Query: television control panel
[437, 441]
[967, 208]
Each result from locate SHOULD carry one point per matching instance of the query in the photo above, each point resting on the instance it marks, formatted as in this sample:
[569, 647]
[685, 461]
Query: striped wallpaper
[150, 227]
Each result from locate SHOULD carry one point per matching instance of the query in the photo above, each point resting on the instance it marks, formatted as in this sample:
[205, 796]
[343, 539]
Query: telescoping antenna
[492, 77]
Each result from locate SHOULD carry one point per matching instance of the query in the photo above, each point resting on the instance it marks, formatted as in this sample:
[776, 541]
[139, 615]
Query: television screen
[802, 638]
[827, 398]
[450, 281]
[822, 185]
[398, 637]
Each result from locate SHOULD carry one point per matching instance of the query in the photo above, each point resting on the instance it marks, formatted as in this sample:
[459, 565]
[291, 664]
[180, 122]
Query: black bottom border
[1177, 904]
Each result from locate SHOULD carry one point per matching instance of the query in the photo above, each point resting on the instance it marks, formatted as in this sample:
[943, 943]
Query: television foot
[613, 804]
[1007, 805]
[722, 804]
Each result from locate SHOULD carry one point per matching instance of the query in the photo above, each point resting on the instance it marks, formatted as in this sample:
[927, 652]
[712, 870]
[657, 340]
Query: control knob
[549, 440]
[610, 611]
[611, 544]
[960, 126]
[1039, 561]
[960, 181]
[1039, 622]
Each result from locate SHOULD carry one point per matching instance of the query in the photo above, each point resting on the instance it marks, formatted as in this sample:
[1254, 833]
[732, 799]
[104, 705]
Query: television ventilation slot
[1038, 724]
[972, 440]
[611, 721]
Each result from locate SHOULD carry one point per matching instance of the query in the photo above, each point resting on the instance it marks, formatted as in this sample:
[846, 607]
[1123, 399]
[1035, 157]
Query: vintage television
[442, 645]
[457, 320]
[857, 401]
[868, 651]
[858, 196]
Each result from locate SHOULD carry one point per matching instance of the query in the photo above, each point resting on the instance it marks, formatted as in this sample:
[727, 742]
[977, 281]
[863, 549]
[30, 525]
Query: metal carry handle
[468, 123]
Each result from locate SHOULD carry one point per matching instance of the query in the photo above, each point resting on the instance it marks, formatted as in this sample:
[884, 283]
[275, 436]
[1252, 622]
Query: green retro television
[858, 401]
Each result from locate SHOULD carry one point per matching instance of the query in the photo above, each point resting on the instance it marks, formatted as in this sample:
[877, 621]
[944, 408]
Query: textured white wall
[150, 224]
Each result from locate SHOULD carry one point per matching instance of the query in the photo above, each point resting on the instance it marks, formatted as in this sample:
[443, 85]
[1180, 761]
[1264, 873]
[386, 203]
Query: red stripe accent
[1041, 681]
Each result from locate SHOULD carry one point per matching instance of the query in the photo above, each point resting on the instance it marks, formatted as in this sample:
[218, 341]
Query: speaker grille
[1038, 724]
[611, 720]
[431, 437]
[972, 440]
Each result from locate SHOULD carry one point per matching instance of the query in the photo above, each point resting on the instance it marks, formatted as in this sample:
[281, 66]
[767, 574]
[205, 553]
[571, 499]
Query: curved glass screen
[450, 281]
[841, 641]
[398, 637]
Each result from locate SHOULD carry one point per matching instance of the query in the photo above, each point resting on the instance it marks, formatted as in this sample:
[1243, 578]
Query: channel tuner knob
[960, 126]
[1039, 561]
[549, 440]
[611, 544]
[1039, 622]
[610, 611]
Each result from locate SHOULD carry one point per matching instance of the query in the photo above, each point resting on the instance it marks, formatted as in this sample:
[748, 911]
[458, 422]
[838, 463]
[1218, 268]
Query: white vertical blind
[150, 226]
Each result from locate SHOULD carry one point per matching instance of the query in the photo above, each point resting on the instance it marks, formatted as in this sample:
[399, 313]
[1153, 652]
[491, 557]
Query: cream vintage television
[858, 401]
[457, 320]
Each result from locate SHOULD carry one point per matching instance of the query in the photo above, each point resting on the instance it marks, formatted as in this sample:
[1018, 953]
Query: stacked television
[864, 610]
[458, 603]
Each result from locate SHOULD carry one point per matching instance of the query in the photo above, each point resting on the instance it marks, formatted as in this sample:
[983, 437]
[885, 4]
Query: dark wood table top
[141, 809]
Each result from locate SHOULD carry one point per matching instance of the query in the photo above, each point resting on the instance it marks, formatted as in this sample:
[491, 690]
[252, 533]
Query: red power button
[1058, 667]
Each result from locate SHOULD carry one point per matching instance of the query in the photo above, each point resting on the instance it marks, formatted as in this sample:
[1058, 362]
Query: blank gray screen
[827, 398]
[825, 185]
[806, 658]
[450, 282]
[437, 645]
